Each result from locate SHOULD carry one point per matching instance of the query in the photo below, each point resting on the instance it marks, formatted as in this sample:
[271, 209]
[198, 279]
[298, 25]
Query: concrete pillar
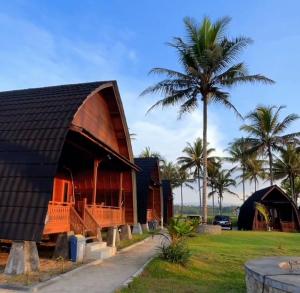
[61, 247]
[145, 227]
[125, 232]
[23, 258]
[112, 236]
[137, 229]
[118, 239]
[99, 235]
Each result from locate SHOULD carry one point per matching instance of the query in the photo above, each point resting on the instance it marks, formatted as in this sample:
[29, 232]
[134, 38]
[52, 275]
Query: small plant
[175, 253]
[265, 213]
[178, 229]
[61, 260]
[176, 250]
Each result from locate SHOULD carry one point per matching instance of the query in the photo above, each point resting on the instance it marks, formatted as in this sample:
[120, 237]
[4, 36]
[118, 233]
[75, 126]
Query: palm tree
[193, 160]
[148, 153]
[183, 179]
[266, 132]
[169, 171]
[254, 170]
[212, 174]
[287, 167]
[207, 57]
[239, 153]
[178, 177]
[222, 183]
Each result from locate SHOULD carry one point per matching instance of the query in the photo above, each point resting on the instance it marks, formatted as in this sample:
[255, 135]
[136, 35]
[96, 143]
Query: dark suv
[223, 221]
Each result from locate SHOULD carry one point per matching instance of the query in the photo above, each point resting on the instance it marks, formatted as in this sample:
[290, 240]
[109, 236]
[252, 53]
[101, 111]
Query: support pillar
[137, 229]
[99, 234]
[23, 258]
[145, 227]
[113, 236]
[61, 247]
[125, 232]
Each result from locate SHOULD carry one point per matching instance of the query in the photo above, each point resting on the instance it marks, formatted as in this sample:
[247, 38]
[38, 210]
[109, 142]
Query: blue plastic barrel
[73, 248]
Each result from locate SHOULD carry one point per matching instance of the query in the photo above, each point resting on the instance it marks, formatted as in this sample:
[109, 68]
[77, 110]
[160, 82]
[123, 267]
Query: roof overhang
[108, 149]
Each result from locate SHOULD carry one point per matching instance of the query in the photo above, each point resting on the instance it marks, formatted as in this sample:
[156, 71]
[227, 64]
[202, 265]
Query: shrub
[175, 253]
[178, 229]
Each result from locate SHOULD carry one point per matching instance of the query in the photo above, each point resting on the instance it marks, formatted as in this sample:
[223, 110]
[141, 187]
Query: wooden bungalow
[168, 200]
[149, 193]
[65, 161]
[283, 211]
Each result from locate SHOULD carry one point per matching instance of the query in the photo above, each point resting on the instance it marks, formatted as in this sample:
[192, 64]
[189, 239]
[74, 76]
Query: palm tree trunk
[292, 183]
[254, 184]
[213, 201]
[270, 164]
[244, 197]
[199, 189]
[181, 209]
[204, 201]
[220, 204]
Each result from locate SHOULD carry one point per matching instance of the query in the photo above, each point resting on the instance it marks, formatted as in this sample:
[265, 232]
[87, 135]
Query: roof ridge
[59, 86]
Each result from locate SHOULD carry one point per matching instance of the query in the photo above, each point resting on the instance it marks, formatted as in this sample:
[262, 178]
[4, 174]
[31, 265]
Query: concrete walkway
[110, 274]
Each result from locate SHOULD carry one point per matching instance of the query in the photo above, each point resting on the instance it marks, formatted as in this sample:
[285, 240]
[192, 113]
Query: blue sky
[56, 42]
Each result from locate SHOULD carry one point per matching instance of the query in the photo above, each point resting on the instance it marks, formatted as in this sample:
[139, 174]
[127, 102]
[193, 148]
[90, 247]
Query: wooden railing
[76, 222]
[58, 218]
[107, 216]
[287, 226]
[150, 215]
[91, 222]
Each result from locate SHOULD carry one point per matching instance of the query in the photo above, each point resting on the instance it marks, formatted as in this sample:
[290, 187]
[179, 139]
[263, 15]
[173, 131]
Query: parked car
[223, 221]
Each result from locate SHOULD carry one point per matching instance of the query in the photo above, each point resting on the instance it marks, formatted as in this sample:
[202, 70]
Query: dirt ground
[48, 267]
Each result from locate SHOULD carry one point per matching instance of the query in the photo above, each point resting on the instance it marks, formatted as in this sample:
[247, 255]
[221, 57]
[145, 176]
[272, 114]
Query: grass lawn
[217, 263]
[135, 238]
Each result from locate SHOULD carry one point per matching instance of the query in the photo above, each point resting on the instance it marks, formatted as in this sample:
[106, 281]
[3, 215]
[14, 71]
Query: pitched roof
[33, 127]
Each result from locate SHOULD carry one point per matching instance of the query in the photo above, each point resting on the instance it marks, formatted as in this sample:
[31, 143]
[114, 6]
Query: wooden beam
[121, 189]
[96, 164]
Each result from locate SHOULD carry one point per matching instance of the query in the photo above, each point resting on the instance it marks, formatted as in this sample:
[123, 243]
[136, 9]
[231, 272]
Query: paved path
[110, 274]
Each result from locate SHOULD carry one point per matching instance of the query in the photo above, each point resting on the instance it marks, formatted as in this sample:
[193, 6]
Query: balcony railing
[107, 216]
[58, 218]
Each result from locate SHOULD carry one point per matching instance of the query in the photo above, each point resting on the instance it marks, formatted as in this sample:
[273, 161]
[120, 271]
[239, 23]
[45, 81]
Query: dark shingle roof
[33, 127]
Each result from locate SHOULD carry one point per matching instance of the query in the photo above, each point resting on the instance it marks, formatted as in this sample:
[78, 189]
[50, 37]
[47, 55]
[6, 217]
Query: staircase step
[98, 250]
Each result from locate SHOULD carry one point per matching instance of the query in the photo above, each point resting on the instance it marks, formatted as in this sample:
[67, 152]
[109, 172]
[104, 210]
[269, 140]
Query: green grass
[217, 263]
[135, 238]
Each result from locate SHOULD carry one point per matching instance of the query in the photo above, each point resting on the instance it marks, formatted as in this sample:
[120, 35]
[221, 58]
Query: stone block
[145, 227]
[23, 258]
[209, 229]
[137, 229]
[62, 247]
[125, 232]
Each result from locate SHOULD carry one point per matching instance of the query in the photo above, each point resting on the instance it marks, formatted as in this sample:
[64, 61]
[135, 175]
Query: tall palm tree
[183, 180]
[239, 153]
[212, 174]
[254, 170]
[266, 132]
[193, 160]
[287, 167]
[223, 182]
[207, 57]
